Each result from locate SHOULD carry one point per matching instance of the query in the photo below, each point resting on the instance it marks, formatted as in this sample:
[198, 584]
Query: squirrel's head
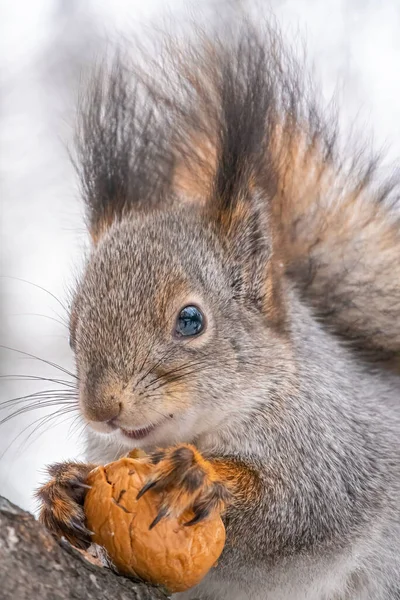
[179, 322]
[172, 328]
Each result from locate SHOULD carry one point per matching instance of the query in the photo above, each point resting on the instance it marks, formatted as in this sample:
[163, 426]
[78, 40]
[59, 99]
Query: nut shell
[170, 554]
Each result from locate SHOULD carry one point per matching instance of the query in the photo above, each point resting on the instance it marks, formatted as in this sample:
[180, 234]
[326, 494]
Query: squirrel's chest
[295, 582]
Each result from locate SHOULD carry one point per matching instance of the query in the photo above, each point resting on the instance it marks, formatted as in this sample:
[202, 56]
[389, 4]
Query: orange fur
[62, 502]
[188, 481]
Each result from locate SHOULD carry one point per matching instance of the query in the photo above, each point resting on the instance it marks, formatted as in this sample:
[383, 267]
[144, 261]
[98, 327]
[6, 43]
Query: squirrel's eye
[190, 321]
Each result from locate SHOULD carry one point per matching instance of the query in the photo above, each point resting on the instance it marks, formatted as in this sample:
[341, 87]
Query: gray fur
[317, 422]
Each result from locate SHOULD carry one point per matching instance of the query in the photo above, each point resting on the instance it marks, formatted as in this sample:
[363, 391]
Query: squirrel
[238, 317]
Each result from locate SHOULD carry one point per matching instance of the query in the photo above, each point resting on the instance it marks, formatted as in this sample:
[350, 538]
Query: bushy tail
[340, 233]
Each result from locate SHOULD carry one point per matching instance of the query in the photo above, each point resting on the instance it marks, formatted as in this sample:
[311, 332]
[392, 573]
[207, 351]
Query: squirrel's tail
[340, 234]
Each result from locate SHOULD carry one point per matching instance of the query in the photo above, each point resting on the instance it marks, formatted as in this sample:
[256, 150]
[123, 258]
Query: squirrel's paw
[62, 502]
[185, 480]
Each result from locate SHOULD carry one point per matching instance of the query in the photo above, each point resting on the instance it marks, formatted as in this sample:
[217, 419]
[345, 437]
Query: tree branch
[34, 565]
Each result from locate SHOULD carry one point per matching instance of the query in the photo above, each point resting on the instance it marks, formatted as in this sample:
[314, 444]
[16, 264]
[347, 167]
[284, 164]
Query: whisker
[76, 423]
[176, 370]
[46, 404]
[166, 354]
[158, 412]
[177, 378]
[177, 398]
[37, 396]
[43, 418]
[46, 420]
[47, 362]
[39, 287]
[84, 427]
[13, 377]
[59, 321]
[151, 346]
[193, 363]
[163, 357]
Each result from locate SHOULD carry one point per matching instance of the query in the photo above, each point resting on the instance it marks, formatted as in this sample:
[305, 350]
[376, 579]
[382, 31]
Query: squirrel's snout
[101, 401]
[104, 411]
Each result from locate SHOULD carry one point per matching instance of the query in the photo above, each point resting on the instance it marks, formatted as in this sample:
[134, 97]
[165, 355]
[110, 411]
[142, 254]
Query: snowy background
[44, 44]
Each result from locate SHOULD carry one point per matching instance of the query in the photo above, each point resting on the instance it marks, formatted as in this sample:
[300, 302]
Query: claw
[200, 516]
[81, 528]
[150, 484]
[162, 513]
[80, 484]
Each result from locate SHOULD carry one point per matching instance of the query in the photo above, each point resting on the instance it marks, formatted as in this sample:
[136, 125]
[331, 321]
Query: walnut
[169, 554]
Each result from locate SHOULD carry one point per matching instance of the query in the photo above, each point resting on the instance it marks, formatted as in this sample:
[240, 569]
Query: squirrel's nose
[104, 412]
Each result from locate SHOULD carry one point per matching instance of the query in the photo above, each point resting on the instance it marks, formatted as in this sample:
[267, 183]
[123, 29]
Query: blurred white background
[355, 45]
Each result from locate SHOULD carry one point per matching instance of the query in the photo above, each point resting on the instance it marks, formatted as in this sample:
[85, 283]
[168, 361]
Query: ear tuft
[123, 156]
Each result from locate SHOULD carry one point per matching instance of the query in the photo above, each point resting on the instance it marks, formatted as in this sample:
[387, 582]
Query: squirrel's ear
[123, 158]
[244, 181]
[253, 268]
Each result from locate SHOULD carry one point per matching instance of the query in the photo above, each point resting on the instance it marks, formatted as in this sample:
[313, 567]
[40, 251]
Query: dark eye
[190, 321]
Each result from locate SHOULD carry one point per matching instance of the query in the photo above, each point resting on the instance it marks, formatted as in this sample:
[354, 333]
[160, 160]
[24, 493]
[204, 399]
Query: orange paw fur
[62, 502]
[185, 481]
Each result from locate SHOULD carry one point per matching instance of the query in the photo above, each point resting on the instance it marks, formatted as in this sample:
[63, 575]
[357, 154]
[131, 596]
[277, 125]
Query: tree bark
[33, 565]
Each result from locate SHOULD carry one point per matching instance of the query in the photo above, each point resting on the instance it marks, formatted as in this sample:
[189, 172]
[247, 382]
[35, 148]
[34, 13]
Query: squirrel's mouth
[138, 434]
